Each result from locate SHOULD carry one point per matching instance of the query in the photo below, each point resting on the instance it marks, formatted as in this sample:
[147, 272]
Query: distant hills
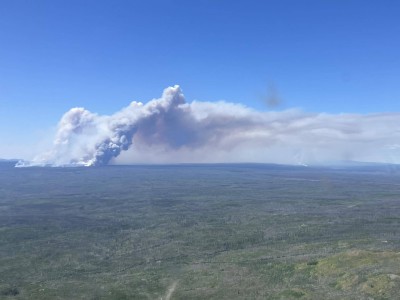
[345, 164]
[9, 160]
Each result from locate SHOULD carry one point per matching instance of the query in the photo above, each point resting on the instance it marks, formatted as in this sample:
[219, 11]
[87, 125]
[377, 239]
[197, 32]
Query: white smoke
[170, 130]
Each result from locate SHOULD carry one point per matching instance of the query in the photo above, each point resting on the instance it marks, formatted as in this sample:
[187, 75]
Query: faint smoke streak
[272, 98]
[170, 130]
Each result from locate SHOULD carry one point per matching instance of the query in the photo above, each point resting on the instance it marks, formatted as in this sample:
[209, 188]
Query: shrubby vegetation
[199, 232]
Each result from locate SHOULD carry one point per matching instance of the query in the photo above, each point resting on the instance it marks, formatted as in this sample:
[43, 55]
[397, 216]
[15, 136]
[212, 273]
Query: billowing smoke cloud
[170, 130]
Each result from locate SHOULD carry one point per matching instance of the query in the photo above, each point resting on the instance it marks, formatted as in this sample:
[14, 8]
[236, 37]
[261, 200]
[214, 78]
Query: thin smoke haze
[169, 129]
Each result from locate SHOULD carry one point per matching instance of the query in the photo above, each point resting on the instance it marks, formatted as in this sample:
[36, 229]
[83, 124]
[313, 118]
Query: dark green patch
[9, 291]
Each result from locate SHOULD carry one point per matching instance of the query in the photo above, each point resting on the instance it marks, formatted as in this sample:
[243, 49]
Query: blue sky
[320, 56]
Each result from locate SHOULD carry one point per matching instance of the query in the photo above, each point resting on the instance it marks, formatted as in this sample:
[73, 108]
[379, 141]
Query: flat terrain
[199, 232]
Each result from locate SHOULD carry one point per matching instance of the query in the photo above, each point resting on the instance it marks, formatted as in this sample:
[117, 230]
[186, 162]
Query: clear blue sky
[322, 56]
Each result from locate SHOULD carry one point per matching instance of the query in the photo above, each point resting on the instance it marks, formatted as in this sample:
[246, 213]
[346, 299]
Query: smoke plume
[169, 129]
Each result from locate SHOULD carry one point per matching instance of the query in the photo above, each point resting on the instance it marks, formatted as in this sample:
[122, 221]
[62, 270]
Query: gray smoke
[170, 130]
